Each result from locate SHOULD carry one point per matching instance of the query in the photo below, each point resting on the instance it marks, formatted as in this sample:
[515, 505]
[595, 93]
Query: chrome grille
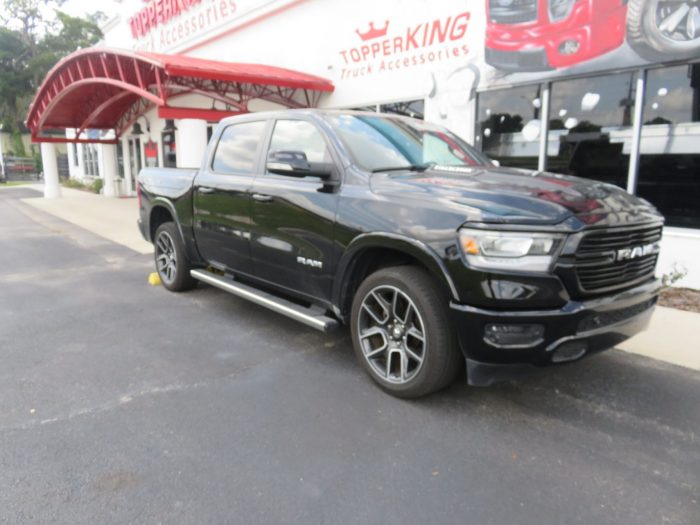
[512, 12]
[597, 268]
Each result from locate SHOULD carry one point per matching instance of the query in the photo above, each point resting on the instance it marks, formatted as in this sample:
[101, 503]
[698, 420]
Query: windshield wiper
[407, 167]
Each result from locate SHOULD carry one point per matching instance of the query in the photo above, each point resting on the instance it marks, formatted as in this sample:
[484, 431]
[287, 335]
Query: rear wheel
[171, 262]
[401, 333]
[664, 29]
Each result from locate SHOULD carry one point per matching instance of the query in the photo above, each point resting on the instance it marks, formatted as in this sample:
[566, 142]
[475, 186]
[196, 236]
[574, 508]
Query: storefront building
[602, 89]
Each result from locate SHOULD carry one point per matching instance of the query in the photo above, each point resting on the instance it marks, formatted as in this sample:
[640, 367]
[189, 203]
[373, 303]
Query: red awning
[108, 89]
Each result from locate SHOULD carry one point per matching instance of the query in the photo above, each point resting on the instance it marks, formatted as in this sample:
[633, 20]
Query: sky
[83, 7]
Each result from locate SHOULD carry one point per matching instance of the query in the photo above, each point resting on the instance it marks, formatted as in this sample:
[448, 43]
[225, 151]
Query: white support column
[191, 142]
[52, 189]
[80, 171]
[544, 128]
[71, 150]
[109, 168]
[636, 132]
[126, 152]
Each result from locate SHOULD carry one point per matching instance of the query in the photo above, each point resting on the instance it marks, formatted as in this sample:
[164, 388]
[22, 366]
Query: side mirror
[295, 164]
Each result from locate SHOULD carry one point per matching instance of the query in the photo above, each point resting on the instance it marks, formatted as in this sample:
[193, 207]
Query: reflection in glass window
[509, 125]
[669, 163]
[237, 148]
[299, 136]
[386, 142]
[409, 108]
[591, 127]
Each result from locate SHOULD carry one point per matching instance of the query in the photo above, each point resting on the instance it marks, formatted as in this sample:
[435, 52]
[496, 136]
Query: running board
[313, 316]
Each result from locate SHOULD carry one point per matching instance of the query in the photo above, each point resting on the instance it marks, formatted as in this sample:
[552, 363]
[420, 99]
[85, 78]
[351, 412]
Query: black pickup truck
[431, 253]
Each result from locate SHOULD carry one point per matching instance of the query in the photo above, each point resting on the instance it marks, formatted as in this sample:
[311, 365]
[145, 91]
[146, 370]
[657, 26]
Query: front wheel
[171, 262]
[401, 333]
[664, 29]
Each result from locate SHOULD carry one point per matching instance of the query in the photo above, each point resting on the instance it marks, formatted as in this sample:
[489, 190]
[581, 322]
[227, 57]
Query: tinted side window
[238, 147]
[299, 136]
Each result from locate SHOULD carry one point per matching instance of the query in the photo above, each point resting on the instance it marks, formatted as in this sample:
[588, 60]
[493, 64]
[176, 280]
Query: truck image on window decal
[539, 35]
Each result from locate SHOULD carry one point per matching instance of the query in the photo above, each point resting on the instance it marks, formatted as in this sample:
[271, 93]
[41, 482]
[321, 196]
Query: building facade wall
[567, 86]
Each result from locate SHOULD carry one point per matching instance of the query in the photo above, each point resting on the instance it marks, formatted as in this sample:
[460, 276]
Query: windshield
[379, 143]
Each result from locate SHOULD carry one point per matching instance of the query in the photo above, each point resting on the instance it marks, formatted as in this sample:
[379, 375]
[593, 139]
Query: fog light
[513, 335]
[569, 351]
[569, 47]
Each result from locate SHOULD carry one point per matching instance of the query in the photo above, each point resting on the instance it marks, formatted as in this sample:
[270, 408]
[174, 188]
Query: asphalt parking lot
[123, 403]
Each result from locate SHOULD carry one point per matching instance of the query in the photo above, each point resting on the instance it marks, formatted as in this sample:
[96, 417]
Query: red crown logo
[373, 33]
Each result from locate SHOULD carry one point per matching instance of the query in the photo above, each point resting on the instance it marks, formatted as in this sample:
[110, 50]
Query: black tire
[170, 259]
[441, 358]
[645, 36]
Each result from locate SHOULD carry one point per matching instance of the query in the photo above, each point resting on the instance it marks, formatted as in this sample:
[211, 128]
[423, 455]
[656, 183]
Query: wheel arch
[370, 252]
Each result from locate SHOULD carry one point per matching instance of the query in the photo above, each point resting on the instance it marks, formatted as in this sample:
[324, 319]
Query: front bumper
[590, 326]
[516, 61]
[537, 45]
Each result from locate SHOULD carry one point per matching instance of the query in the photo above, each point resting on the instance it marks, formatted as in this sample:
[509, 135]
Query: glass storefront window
[590, 127]
[669, 162]
[509, 125]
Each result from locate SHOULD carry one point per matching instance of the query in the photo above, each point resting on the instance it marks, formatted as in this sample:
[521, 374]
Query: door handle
[261, 198]
[205, 189]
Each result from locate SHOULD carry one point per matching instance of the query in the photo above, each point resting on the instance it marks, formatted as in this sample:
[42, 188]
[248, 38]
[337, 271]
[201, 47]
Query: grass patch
[11, 183]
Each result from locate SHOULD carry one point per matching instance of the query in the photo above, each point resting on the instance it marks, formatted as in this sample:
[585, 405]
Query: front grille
[597, 266]
[515, 12]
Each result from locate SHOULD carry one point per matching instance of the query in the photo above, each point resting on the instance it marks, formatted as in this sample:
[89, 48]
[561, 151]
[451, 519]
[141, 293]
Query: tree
[35, 35]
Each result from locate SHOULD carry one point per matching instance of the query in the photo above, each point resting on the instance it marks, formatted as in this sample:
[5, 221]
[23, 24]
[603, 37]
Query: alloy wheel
[679, 20]
[166, 261]
[392, 334]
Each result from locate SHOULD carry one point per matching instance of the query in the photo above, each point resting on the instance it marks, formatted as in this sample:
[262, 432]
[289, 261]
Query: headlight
[515, 251]
[560, 9]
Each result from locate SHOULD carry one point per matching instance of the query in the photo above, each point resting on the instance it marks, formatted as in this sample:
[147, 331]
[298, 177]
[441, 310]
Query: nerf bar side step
[312, 317]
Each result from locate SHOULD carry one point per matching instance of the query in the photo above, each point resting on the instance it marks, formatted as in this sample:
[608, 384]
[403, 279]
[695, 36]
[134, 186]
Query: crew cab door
[293, 216]
[221, 196]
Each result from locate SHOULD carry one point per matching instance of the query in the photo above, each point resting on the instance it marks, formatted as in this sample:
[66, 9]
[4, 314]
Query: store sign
[178, 25]
[390, 46]
[519, 46]
[158, 12]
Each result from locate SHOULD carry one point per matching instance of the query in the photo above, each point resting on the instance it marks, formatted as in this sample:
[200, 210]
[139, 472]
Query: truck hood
[509, 195]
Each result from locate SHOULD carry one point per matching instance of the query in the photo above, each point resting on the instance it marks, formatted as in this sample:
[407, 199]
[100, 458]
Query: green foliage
[30, 45]
[95, 186]
[38, 161]
[74, 183]
[675, 275]
[17, 144]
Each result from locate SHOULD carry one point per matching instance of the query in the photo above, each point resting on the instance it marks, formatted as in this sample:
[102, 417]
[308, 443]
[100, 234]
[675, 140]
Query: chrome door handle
[205, 189]
[261, 198]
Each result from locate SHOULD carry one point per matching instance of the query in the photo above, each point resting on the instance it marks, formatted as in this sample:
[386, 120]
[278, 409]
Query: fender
[401, 243]
[188, 239]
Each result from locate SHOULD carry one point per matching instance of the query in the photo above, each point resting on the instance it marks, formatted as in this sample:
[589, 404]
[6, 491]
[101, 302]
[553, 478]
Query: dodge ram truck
[435, 257]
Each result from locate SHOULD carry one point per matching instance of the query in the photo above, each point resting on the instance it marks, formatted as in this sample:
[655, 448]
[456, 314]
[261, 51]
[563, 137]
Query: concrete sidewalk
[670, 337]
[111, 218]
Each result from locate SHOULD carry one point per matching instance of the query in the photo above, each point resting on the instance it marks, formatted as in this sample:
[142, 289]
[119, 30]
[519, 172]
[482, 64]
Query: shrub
[96, 186]
[675, 275]
[74, 183]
